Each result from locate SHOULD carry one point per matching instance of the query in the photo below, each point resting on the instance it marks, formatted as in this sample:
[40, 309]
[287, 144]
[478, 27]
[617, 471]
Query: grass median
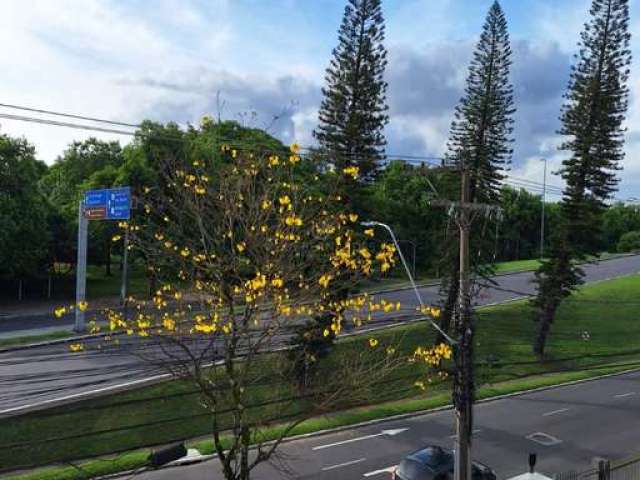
[593, 335]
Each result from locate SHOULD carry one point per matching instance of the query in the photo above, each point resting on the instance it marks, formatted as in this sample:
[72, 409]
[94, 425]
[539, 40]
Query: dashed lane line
[345, 464]
[555, 412]
[622, 395]
[381, 471]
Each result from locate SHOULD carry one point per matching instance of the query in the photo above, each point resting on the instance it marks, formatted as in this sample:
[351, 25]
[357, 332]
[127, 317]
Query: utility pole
[544, 200]
[463, 377]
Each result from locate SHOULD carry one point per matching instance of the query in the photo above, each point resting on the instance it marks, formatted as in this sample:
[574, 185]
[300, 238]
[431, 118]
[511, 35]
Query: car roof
[433, 457]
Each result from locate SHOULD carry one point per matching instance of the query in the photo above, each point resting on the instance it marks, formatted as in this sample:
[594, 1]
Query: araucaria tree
[480, 138]
[592, 116]
[353, 112]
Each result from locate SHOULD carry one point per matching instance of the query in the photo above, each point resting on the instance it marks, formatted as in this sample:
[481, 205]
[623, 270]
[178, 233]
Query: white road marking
[345, 464]
[555, 412]
[543, 439]
[381, 471]
[389, 433]
[622, 395]
[477, 430]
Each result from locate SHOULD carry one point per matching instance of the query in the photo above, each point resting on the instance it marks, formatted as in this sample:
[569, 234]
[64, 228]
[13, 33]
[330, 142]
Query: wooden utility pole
[463, 378]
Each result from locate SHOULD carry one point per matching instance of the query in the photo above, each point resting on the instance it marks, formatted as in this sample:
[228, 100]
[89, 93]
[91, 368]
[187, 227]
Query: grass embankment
[29, 339]
[170, 411]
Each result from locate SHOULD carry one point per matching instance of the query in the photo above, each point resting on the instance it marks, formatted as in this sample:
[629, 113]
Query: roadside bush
[629, 241]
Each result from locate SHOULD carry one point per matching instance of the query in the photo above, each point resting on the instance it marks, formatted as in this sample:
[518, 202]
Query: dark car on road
[436, 463]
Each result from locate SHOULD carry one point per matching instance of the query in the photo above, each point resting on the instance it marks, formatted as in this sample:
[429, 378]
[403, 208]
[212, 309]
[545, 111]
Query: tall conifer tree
[592, 115]
[353, 112]
[480, 137]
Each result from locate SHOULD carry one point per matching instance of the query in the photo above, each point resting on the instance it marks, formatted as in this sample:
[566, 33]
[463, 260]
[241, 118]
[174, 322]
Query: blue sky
[166, 60]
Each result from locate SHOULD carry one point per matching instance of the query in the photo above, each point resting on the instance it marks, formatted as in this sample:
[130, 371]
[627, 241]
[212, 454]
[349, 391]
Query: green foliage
[595, 107]
[24, 213]
[480, 136]
[592, 116]
[629, 242]
[353, 112]
[480, 141]
[617, 220]
[399, 197]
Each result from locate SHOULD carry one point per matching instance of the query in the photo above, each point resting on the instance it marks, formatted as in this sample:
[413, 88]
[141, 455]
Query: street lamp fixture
[406, 267]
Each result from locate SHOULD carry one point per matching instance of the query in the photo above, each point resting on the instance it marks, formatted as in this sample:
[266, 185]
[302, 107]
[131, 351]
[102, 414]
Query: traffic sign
[108, 204]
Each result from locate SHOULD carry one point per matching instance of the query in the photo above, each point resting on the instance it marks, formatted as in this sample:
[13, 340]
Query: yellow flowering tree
[243, 254]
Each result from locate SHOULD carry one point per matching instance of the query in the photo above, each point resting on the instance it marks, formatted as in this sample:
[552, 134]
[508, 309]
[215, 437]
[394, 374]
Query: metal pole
[544, 200]
[462, 390]
[125, 262]
[81, 268]
[414, 258]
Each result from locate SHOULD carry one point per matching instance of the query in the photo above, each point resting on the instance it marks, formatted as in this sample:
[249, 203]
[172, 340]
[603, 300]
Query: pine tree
[480, 138]
[592, 115]
[353, 112]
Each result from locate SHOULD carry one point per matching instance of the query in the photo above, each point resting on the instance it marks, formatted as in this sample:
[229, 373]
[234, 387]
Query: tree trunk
[446, 316]
[542, 330]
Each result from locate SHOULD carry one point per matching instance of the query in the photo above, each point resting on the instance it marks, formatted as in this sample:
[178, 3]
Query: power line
[431, 160]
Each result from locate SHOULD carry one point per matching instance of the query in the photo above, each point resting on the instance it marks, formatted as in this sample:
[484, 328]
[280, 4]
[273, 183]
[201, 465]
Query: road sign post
[104, 204]
[81, 267]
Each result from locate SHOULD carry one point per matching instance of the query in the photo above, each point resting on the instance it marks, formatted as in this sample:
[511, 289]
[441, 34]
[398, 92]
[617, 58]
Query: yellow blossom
[352, 171]
[295, 148]
[76, 347]
[60, 311]
[373, 343]
[241, 247]
[82, 306]
[284, 200]
[185, 252]
[369, 232]
[266, 204]
[169, 323]
[324, 280]
[115, 238]
[353, 217]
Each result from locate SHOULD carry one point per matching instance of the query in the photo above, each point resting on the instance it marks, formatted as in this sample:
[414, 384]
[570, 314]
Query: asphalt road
[579, 422]
[37, 377]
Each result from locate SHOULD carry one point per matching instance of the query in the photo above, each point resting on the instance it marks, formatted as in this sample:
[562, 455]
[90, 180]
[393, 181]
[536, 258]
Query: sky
[257, 60]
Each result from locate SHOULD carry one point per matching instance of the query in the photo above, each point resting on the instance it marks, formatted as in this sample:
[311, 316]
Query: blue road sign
[108, 204]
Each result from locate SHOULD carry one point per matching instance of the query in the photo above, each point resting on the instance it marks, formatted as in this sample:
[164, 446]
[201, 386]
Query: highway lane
[566, 426]
[36, 376]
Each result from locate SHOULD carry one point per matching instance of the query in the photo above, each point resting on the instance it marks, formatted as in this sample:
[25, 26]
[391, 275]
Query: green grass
[26, 340]
[100, 285]
[608, 311]
[517, 266]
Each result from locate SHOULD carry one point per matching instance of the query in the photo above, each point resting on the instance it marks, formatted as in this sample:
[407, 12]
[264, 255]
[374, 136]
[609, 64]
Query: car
[436, 463]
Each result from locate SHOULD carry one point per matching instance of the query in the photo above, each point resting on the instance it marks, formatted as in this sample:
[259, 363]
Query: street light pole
[544, 201]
